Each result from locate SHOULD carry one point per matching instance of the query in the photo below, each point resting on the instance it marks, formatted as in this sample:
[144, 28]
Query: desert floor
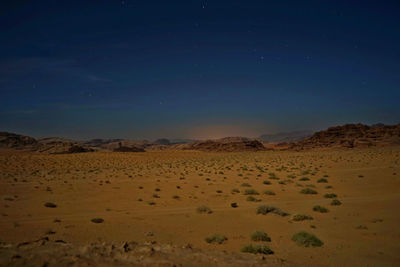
[154, 196]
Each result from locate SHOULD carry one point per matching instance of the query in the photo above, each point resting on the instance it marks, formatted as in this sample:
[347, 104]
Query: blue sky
[196, 69]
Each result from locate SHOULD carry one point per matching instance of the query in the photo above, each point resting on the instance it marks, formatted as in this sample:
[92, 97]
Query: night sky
[196, 69]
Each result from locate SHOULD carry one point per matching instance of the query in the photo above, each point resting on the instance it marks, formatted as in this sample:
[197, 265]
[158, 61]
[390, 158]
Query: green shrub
[308, 191]
[321, 209]
[301, 217]
[336, 202]
[250, 192]
[305, 239]
[269, 192]
[260, 236]
[264, 209]
[253, 199]
[216, 238]
[257, 249]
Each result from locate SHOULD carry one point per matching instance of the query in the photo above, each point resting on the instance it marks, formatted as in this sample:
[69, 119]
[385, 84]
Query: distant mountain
[111, 144]
[162, 141]
[227, 144]
[182, 141]
[352, 135]
[285, 136]
[12, 140]
[51, 145]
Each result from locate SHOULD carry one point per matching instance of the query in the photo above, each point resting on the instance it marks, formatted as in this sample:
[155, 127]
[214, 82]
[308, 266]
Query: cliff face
[352, 135]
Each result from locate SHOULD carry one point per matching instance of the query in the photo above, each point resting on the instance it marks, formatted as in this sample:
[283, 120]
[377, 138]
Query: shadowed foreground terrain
[158, 207]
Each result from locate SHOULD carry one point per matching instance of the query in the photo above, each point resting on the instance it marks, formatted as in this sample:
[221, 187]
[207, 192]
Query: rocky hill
[285, 137]
[351, 136]
[11, 140]
[227, 144]
[52, 145]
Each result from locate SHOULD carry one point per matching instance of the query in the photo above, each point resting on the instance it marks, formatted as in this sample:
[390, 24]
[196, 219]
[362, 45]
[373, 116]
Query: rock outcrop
[351, 136]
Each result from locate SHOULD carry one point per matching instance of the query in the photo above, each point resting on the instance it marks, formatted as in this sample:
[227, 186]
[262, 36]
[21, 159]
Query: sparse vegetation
[260, 236]
[250, 192]
[305, 239]
[301, 217]
[308, 191]
[322, 180]
[269, 192]
[264, 209]
[253, 199]
[216, 238]
[320, 209]
[331, 195]
[257, 249]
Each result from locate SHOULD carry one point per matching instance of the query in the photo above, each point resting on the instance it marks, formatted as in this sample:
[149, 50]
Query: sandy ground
[152, 197]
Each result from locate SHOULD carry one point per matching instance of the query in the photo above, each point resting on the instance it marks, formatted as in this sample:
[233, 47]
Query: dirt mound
[228, 144]
[352, 135]
[43, 252]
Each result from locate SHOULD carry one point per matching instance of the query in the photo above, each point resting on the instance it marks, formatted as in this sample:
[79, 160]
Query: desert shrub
[246, 185]
[328, 187]
[322, 180]
[234, 205]
[219, 191]
[235, 190]
[97, 220]
[336, 202]
[176, 197]
[257, 249]
[151, 202]
[269, 192]
[331, 195]
[305, 239]
[204, 209]
[266, 182]
[216, 238]
[301, 217]
[250, 192]
[253, 199]
[319, 208]
[308, 191]
[304, 179]
[50, 205]
[260, 236]
[264, 209]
